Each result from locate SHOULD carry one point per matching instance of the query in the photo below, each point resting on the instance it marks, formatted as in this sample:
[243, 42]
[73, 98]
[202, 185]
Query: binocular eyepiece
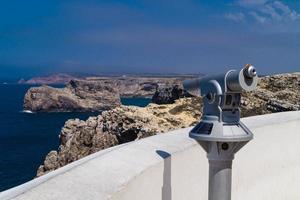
[249, 71]
[245, 79]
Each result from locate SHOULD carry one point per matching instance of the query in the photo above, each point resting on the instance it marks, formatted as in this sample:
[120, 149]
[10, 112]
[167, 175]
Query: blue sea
[26, 138]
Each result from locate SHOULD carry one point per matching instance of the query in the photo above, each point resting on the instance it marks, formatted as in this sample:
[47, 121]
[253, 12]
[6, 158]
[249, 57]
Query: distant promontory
[53, 79]
[94, 93]
[77, 96]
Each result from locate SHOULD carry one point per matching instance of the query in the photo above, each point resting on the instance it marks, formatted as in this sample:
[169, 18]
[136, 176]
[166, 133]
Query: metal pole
[220, 179]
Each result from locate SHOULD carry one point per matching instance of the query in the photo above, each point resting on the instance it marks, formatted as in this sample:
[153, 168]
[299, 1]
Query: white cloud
[287, 12]
[237, 17]
[264, 11]
[282, 7]
[270, 11]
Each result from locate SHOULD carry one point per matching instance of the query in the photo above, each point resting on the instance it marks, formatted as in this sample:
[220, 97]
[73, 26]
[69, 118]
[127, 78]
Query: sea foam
[27, 111]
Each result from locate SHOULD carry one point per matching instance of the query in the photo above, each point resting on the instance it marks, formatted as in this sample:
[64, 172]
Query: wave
[27, 111]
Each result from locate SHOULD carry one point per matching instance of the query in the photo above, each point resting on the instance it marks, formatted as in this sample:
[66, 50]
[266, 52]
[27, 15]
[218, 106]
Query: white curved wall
[173, 166]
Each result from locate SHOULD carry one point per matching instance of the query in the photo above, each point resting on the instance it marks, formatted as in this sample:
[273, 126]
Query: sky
[147, 36]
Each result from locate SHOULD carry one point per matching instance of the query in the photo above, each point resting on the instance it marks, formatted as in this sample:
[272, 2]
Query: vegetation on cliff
[123, 124]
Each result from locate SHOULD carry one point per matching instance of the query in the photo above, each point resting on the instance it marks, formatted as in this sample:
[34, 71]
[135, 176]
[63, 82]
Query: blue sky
[148, 36]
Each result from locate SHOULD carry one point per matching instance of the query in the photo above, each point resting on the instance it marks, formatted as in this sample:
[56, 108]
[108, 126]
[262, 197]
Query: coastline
[265, 100]
[25, 138]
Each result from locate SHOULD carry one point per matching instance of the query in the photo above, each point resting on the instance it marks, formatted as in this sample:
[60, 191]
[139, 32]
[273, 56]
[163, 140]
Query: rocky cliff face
[277, 93]
[76, 96]
[123, 124]
[168, 94]
[92, 94]
[128, 123]
[138, 86]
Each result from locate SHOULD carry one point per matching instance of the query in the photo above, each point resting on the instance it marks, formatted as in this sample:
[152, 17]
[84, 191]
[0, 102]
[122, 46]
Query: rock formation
[123, 124]
[138, 86]
[275, 93]
[128, 123]
[92, 94]
[168, 94]
[76, 96]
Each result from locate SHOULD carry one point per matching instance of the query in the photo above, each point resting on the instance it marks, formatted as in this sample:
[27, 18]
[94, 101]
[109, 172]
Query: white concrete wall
[173, 166]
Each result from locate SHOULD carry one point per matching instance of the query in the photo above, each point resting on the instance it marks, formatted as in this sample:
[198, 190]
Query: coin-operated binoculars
[220, 131]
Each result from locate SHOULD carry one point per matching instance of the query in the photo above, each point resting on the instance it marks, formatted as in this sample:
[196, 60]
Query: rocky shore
[128, 123]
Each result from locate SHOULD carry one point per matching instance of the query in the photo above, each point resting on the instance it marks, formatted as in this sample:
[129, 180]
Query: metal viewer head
[234, 81]
[222, 93]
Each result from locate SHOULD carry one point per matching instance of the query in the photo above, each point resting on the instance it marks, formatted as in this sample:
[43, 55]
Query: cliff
[128, 123]
[76, 96]
[123, 124]
[168, 94]
[92, 94]
[138, 86]
[277, 93]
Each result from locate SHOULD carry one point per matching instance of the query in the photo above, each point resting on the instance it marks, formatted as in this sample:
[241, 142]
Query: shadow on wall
[167, 187]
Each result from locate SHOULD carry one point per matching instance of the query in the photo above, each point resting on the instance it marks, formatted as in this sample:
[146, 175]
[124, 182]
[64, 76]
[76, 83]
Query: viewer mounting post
[220, 131]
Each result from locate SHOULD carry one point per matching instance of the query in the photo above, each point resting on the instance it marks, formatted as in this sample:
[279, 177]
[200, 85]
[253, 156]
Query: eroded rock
[77, 96]
[277, 93]
[120, 125]
[168, 94]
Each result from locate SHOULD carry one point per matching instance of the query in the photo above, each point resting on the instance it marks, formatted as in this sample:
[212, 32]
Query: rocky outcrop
[92, 94]
[168, 94]
[128, 123]
[275, 93]
[76, 96]
[137, 86]
[279, 106]
[123, 124]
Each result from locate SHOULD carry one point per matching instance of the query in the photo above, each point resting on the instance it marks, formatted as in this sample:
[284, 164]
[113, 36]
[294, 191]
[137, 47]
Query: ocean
[26, 138]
